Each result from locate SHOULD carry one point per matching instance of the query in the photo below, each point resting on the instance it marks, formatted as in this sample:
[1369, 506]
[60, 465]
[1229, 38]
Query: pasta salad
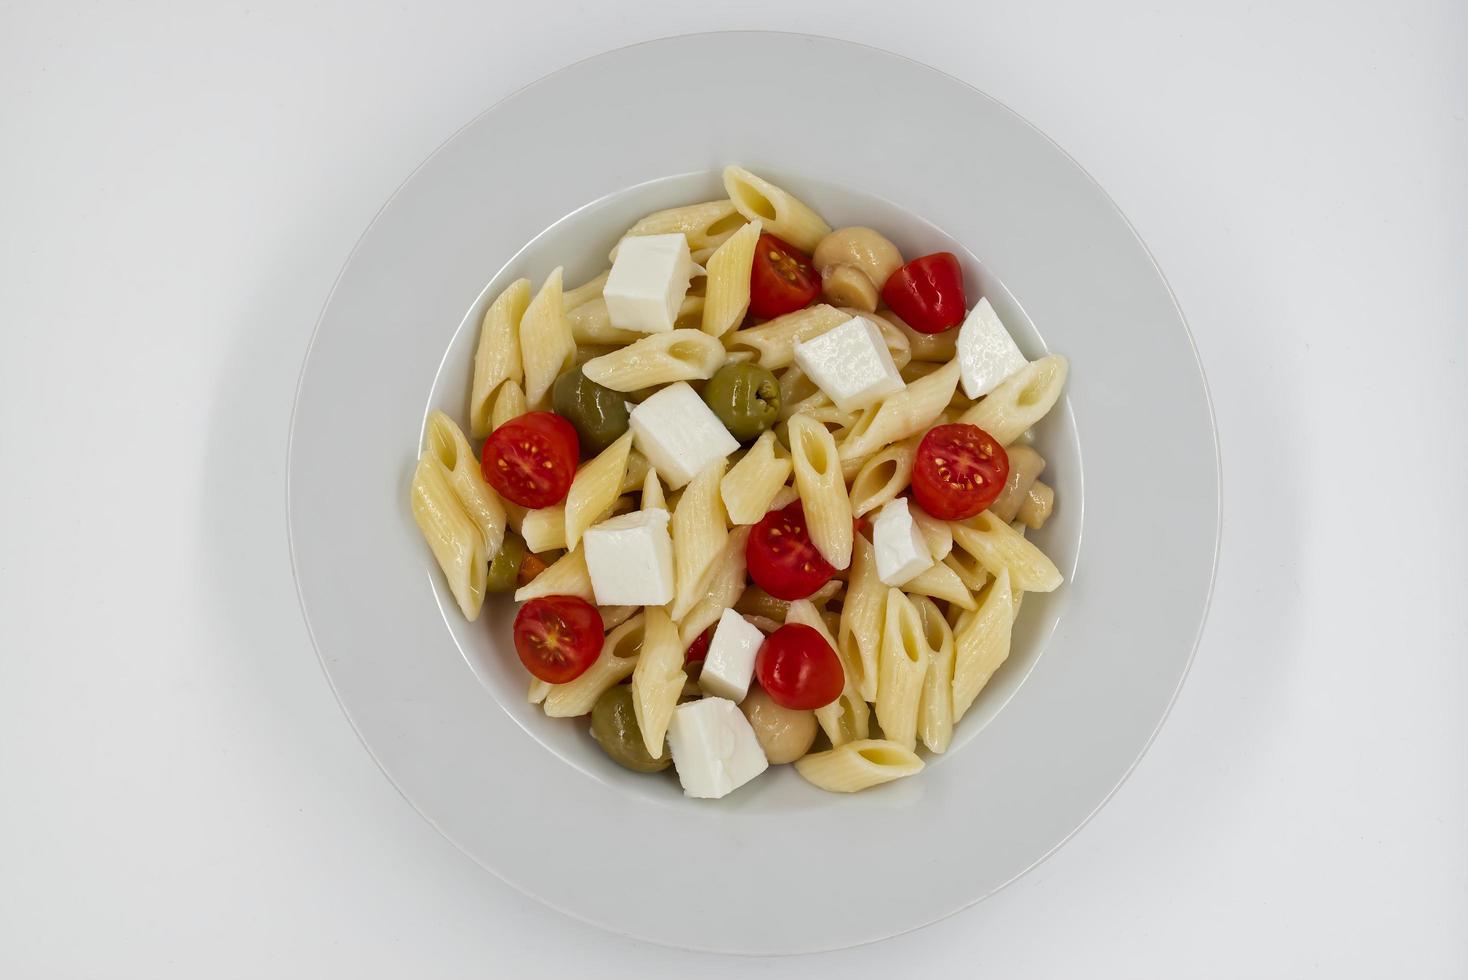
[761, 488]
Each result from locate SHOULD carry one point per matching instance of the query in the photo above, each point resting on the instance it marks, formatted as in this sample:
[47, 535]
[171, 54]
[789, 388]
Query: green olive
[745, 397]
[504, 567]
[614, 726]
[598, 414]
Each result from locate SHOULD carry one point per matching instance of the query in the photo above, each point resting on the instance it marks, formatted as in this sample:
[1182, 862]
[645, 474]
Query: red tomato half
[558, 637]
[531, 460]
[781, 558]
[960, 470]
[927, 293]
[798, 669]
[781, 280]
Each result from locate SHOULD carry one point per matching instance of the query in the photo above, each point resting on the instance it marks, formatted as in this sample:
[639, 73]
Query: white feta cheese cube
[714, 749]
[901, 550]
[730, 661]
[986, 353]
[648, 281]
[679, 434]
[630, 559]
[851, 364]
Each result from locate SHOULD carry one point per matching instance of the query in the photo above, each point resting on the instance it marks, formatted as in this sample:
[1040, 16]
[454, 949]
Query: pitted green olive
[745, 397]
[614, 726]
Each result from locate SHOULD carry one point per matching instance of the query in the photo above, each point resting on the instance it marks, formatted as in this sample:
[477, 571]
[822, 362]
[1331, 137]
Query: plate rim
[1197, 363]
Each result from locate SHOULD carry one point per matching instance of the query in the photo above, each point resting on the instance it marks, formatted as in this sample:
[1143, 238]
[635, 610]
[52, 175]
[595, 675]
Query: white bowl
[550, 177]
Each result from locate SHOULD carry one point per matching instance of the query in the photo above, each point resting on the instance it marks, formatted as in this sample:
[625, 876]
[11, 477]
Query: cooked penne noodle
[981, 642]
[906, 413]
[456, 542]
[706, 225]
[1025, 467]
[652, 492]
[859, 638]
[658, 679]
[752, 483]
[798, 393]
[657, 359]
[970, 571]
[591, 323]
[883, 476]
[595, 489]
[614, 616]
[722, 587]
[859, 765]
[757, 602]
[584, 293]
[568, 576]
[822, 489]
[546, 345]
[509, 403]
[728, 282]
[544, 529]
[935, 707]
[998, 546]
[937, 534]
[902, 664]
[497, 358]
[538, 690]
[481, 504]
[781, 212]
[1021, 400]
[617, 659]
[940, 582]
[774, 341]
[699, 535]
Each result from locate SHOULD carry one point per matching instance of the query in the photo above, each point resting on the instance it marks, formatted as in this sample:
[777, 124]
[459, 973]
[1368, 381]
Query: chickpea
[784, 734]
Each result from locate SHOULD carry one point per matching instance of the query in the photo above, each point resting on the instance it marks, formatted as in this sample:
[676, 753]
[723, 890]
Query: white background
[179, 183]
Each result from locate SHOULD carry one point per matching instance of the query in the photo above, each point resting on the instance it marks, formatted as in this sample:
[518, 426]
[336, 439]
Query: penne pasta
[883, 476]
[1025, 467]
[1020, 401]
[970, 570]
[618, 658]
[782, 214]
[595, 489]
[859, 765]
[728, 282]
[657, 359]
[568, 576]
[997, 546]
[699, 535]
[652, 492]
[584, 293]
[446, 443]
[822, 489]
[903, 414]
[707, 225]
[546, 345]
[722, 587]
[902, 664]
[509, 403]
[859, 637]
[774, 341]
[544, 529]
[940, 582]
[935, 707]
[497, 358]
[981, 642]
[457, 544]
[658, 679]
[937, 534]
[752, 483]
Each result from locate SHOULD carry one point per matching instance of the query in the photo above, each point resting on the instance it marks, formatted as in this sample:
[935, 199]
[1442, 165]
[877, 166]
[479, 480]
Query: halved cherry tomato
[798, 669]
[698, 650]
[558, 637]
[531, 460]
[960, 470]
[781, 558]
[781, 280]
[927, 293]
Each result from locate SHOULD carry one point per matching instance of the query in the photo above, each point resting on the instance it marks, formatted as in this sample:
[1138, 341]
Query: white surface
[183, 797]
[729, 663]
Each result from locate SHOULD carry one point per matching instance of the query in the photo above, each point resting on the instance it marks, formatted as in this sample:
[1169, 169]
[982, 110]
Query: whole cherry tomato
[558, 637]
[782, 280]
[927, 293]
[798, 669]
[959, 471]
[531, 459]
[781, 558]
